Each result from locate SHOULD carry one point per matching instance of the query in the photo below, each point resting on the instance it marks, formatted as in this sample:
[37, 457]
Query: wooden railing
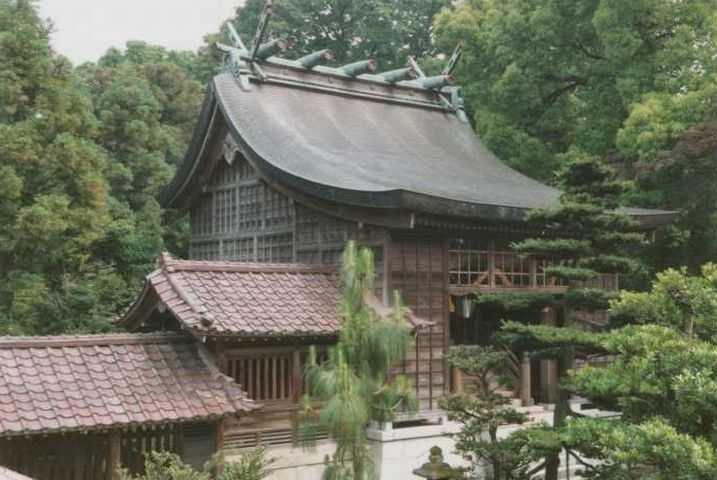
[489, 269]
[266, 376]
[243, 438]
[272, 374]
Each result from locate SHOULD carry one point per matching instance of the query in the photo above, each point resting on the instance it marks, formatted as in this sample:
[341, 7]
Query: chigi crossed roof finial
[246, 64]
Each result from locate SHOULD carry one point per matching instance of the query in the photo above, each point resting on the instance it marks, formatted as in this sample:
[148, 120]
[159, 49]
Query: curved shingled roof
[257, 300]
[90, 382]
[362, 143]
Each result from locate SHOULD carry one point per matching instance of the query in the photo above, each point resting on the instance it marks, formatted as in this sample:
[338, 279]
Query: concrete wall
[296, 463]
[398, 451]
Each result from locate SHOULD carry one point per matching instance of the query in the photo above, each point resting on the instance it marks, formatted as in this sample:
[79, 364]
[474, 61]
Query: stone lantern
[436, 468]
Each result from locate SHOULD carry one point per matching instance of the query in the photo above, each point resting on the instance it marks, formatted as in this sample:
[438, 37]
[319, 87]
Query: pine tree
[591, 237]
[482, 410]
[354, 385]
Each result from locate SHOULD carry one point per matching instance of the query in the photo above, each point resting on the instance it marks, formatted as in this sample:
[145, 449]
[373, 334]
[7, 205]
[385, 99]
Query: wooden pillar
[526, 396]
[491, 264]
[219, 446]
[296, 375]
[457, 380]
[549, 368]
[113, 457]
[533, 272]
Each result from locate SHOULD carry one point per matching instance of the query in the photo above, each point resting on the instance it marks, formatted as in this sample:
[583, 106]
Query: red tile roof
[71, 383]
[248, 299]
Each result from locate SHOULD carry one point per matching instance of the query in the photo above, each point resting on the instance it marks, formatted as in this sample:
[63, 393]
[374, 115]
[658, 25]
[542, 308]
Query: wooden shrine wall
[417, 268]
[58, 457]
[241, 218]
[78, 456]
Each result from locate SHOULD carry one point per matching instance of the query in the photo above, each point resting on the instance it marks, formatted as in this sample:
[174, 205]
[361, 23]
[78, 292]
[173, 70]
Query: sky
[85, 29]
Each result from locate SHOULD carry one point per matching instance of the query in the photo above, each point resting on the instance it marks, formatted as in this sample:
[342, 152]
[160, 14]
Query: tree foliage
[662, 380]
[84, 153]
[481, 410]
[548, 78]
[388, 31]
[250, 465]
[635, 82]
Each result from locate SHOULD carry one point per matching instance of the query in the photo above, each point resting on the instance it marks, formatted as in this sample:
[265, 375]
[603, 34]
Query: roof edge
[93, 340]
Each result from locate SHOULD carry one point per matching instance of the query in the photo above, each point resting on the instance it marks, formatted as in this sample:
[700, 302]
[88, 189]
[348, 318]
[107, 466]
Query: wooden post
[549, 368]
[526, 397]
[533, 272]
[113, 457]
[296, 375]
[219, 445]
[457, 380]
[491, 264]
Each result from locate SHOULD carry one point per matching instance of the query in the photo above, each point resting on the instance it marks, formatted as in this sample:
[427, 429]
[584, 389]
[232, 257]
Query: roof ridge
[170, 265]
[205, 318]
[90, 339]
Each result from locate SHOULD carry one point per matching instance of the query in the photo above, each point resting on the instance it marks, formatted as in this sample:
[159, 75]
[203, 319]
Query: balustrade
[491, 269]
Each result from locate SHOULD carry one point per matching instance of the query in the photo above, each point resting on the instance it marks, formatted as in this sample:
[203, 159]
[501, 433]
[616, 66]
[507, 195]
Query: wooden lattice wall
[417, 269]
[241, 218]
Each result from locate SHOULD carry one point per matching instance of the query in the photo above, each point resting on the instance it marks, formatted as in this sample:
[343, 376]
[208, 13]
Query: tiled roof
[71, 383]
[248, 299]
[251, 299]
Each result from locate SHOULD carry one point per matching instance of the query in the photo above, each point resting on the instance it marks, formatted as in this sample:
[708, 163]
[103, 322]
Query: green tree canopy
[548, 77]
[388, 31]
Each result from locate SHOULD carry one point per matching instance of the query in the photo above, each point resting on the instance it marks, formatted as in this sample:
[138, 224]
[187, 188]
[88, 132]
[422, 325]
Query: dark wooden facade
[240, 217]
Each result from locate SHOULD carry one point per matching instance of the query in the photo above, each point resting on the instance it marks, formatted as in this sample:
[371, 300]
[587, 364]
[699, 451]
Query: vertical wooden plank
[80, 458]
[491, 264]
[266, 361]
[113, 457]
[430, 368]
[401, 253]
[385, 245]
[219, 445]
[250, 378]
[533, 272]
[280, 374]
[429, 284]
[416, 290]
[179, 440]
[292, 209]
[549, 368]
[221, 357]
[445, 314]
[274, 387]
[296, 375]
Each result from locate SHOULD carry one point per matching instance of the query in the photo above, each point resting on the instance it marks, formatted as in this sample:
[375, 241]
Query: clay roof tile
[113, 381]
